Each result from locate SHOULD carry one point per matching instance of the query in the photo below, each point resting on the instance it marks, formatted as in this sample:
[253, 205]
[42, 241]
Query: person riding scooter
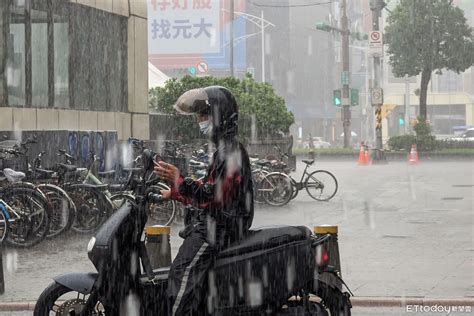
[224, 197]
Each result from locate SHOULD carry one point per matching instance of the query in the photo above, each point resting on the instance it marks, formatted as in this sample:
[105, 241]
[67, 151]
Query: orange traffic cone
[413, 157]
[367, 157]
[362, 158]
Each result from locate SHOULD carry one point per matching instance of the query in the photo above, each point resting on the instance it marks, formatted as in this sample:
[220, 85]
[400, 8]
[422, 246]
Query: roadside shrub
[423, 139]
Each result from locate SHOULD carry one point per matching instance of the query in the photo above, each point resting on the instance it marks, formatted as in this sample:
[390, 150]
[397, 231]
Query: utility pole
[368, 107]
[346, 110]
[262, 26]
[376, 6]
[231, 25]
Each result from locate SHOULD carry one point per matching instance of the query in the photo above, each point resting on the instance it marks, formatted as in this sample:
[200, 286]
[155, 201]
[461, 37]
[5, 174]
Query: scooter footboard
[79, 282]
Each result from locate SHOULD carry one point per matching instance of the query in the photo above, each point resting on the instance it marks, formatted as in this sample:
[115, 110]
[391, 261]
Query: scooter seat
[265, 238]
[12, 175]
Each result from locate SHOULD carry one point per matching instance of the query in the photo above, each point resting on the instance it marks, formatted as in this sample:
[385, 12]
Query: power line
[289, 5]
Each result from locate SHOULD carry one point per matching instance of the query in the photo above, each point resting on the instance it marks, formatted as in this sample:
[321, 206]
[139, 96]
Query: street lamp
[261, 23]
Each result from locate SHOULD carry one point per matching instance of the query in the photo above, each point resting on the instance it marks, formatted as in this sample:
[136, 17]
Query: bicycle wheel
[62, 209]
[321, 185]
[28, 211]
[3, 222]
[257, 177]
[294, 185]
[91, 209]
[276, 189]
[161, 213]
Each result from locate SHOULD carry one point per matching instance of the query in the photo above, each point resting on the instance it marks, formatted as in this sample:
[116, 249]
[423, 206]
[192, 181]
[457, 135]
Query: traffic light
[354, 97]
[323, 26]
[401, 119]
[337, 98]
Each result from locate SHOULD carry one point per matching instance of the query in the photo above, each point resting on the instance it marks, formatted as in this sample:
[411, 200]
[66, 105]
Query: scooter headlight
[91, 244]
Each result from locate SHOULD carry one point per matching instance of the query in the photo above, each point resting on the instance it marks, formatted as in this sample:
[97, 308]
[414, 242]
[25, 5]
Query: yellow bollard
[158, 245]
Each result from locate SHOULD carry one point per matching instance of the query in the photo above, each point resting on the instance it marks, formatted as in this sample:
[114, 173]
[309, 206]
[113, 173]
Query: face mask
[205, 127]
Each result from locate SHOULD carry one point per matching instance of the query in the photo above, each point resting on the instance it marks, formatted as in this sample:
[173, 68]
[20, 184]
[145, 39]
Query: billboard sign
[186, 33]
[184, 27]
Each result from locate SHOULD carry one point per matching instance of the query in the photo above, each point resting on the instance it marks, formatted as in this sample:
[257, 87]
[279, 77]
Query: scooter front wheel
[57, 299]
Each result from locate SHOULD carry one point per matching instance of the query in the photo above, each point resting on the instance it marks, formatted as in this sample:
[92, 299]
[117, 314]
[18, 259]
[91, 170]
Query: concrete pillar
[6, 119]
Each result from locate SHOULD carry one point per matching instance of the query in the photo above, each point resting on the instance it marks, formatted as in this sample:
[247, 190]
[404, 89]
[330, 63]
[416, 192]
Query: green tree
[258, 102]
[425, 36]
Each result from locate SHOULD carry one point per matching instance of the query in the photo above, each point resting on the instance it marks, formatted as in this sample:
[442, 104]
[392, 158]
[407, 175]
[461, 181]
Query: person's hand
[166, 194]
[168, 172]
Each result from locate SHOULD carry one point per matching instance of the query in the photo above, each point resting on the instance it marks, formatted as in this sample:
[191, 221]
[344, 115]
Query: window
[99, 74]
[16, 53]
[60, 54]
[39, 58]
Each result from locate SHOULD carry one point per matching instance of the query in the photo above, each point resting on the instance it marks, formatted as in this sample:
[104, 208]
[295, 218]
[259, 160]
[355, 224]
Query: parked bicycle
[63, 209]
[25, 209]
[273, 188]
[24, 217]
[321, 185]
[278, 188]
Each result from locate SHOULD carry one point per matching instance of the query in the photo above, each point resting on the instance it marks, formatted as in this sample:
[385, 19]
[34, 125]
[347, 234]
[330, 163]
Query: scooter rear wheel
[57, 299]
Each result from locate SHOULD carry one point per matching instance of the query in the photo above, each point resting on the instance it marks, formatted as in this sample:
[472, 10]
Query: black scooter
[284, 270]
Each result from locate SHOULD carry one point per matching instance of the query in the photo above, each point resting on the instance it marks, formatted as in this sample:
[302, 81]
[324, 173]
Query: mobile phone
[157, 159]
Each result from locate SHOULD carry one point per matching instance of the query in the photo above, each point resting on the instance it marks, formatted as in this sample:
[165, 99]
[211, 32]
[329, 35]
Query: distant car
[468, 136]
[318, 143]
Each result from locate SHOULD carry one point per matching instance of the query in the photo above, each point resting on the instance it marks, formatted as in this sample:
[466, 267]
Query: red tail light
[325, 257]
[322, 256]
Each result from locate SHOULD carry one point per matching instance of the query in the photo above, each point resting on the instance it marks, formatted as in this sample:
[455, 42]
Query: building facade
[74, 65]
